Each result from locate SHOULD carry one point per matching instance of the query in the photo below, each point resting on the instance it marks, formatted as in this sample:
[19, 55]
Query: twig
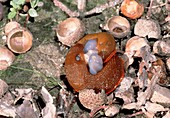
[100, 8]
[97, 9]
[149, 10]
[92, 113]
[148, 92]
[65, 9]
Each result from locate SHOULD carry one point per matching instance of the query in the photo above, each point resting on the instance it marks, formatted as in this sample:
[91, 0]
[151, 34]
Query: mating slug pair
[92, 63]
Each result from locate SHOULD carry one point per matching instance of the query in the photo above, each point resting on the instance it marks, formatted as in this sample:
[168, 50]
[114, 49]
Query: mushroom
[10, 26]
[133, 47]
[162, 47]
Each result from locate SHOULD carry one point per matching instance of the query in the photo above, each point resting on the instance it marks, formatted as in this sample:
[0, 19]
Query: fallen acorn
[77, 66]
[132, 9]
[70, 31]
[19, 40]
[118, 26]
[6, 58]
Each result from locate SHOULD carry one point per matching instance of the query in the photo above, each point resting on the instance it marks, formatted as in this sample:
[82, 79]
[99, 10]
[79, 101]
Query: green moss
[19, 73]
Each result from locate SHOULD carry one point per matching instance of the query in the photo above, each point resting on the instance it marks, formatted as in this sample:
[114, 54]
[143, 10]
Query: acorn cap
[118, 26]
[150, 28]
[19, 40]
[10, 26]
[70, 31]
[6, 58]
[89, 99]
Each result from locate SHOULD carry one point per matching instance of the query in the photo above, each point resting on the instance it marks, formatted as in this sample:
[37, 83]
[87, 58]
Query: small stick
[97, 9]
[65, 9]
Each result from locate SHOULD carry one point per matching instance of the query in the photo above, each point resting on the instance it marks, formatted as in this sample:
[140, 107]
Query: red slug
[77, 69]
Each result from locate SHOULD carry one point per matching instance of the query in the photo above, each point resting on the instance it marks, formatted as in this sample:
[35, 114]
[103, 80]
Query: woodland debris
[149, 28]
[162, 47]
[161, 95]
[154, 107]
[3, 87]
[168, 64]
[7, 110]
[26, 94]
[49, 111]
[111, 110]
[25, 110]
[97, 9]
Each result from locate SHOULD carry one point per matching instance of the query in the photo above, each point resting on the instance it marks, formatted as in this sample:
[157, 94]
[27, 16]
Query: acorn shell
[118, 26]
[19, 40]
[10, 26]
[6, 58]
[78, 74]
[70, 31]
[132, 9]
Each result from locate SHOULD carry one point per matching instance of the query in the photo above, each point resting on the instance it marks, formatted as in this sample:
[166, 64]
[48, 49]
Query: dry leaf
[25, 110]
[127, 96]
[26, 94]
[49, 111]
[7, 98]
[7, 110]
[3, 87]
[112, 110]
[130, 106]
[167, 115]
[161, 95]
[46, 95]
[153, 107]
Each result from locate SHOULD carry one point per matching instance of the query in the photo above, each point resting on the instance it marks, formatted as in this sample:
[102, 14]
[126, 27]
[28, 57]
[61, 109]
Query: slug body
[85, 64]
[94, 61]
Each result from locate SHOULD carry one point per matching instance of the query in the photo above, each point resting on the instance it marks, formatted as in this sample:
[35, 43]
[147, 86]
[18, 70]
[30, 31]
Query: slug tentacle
[95, 63]
[90, 45]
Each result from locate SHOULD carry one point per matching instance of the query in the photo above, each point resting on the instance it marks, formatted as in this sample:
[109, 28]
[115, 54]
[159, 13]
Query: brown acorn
[6, 58]
[132, 9]
[118, 26]
[19, 40]
[70, 31]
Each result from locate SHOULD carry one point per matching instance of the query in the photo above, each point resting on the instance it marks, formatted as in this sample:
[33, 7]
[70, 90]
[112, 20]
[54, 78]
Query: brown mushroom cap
[132, 9]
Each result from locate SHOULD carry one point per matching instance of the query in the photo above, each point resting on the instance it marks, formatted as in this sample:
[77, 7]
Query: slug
[90, 45]
[94, 61]
[94, 72]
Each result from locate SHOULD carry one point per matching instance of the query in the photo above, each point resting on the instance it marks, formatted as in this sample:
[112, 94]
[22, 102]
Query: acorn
[19, 40]
[118, 26]
[10, 26]
[132, 9]
[6, 58]
[70, 31]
